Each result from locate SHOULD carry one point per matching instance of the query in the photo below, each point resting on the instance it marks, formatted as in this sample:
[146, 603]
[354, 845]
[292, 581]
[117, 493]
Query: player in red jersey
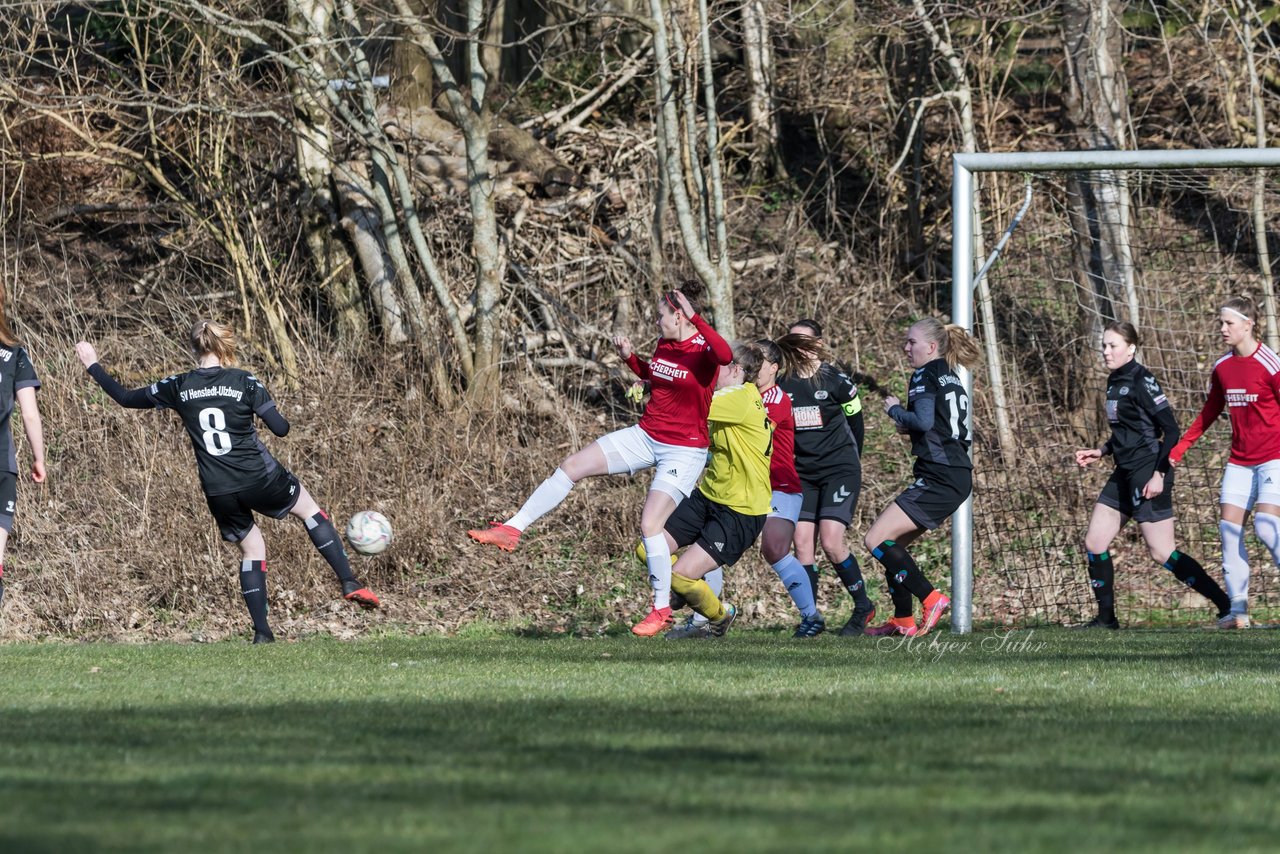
[672, 437]
[1247, 381]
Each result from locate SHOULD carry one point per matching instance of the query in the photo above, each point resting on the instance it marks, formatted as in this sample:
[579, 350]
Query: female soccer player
[1143, 432]
[937, 419]
[217, 403]
[722, 518]
[828, 419]
[780, 525]
[1246, 379]
[18, 382]
[671, 438]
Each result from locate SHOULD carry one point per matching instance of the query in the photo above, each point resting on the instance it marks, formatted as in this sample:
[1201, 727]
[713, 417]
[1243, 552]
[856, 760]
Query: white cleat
[1234, 621]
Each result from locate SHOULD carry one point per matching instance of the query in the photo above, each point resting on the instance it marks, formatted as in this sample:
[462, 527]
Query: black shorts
[722, 532]
[1123, 492]
[234, 511]
[936, 494]
[8, 499]
[833, 496]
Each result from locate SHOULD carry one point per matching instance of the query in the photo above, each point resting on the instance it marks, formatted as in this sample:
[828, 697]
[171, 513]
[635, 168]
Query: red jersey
[782, 464]
[681, 376]
[1250, 387]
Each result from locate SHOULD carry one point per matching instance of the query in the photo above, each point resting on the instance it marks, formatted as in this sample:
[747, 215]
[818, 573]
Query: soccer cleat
[810, 627]
[497, 534]
[1233, 621]
[263, 637]
[362, 596]
[933, 613]
[858, 620]
[1101, 622]
[720, 626]
[659, 620]
[691, 628]
[896, 626]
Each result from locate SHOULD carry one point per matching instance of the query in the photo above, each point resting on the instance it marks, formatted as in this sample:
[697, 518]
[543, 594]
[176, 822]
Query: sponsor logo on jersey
[667, 370]
[213, 391]
[948, 379]
[820, 394]
[1240, 397]
[1124, 389]
[807, 417]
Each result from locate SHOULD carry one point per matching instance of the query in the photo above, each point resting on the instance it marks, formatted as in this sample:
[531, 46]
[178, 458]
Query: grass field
[1047, 740]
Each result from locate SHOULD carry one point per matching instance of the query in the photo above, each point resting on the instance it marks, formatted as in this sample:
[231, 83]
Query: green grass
[1138, 740]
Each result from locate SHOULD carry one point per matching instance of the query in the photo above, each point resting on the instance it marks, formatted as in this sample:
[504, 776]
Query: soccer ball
[369, 532]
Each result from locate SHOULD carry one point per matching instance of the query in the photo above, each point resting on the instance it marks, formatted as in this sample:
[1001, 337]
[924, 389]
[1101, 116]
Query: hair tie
[667, 296]
[1239, 314]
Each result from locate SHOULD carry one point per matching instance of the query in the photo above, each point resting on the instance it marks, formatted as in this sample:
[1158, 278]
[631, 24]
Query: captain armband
[852, 407]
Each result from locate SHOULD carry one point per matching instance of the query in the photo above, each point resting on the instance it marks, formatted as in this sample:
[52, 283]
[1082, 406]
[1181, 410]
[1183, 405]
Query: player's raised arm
[137, 398]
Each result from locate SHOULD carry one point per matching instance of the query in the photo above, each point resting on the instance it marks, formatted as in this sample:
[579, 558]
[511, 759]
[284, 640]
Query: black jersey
[937, 416]
[16, 372]
[821, 406]
[1141, 418]
[217, 406]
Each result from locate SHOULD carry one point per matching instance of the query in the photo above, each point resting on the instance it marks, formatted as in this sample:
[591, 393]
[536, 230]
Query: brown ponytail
[208, 337]
[797, 351]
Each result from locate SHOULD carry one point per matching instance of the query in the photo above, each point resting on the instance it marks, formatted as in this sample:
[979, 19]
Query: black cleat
[1101, 622]
[810, 627]
[264, 637]
[863, 613]
[691, 628]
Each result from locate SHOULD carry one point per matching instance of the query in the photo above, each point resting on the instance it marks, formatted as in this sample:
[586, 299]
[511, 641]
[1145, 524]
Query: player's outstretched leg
[700, 597]
[1189, 571]
[324, 536]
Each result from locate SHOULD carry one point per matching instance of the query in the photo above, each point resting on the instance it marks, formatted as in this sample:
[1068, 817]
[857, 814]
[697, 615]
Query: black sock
[851, 577]
[1102, 578]
[905, 573]
[253, 584]
[1189, 571]
[902, 602]
[326, 540]
[811, 569]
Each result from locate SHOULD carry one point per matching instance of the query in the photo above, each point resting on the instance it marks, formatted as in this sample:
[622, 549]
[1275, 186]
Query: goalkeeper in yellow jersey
[720, 521]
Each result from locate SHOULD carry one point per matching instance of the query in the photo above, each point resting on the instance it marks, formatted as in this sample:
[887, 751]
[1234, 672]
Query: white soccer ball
[369, 532]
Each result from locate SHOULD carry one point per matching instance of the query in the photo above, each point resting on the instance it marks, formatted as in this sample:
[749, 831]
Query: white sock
[1235, 566]
[658, 556]
[1267, 527]
[715, 580]
[545, 498]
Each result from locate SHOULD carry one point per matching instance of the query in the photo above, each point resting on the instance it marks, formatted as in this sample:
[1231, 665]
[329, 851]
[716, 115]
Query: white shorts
[786, 505]
[678, 467]
[1244, 486]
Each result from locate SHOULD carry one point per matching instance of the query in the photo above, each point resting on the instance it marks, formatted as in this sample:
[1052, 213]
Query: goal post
[965, 226]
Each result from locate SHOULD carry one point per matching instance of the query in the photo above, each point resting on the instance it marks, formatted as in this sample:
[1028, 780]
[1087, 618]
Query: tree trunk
[363, 225]
[766, 156]
[1097, 108]
[313, 146]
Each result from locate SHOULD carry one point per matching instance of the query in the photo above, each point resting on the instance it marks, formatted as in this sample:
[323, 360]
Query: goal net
[1157, 238]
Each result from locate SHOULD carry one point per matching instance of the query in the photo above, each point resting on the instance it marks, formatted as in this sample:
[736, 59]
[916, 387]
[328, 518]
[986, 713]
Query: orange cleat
[659, 620]
[934, 605]
[503, 536]
[895, 626]
[363, 597]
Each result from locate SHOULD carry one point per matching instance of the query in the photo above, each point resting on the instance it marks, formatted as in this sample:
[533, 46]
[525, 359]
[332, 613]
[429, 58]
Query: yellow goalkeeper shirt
[741, 442]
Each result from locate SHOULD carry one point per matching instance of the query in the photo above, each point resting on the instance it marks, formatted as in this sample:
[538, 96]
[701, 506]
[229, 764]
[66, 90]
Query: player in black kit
[829, 429]
[217, 405]
[18, 383]
[1143, 432]
[936, 418]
